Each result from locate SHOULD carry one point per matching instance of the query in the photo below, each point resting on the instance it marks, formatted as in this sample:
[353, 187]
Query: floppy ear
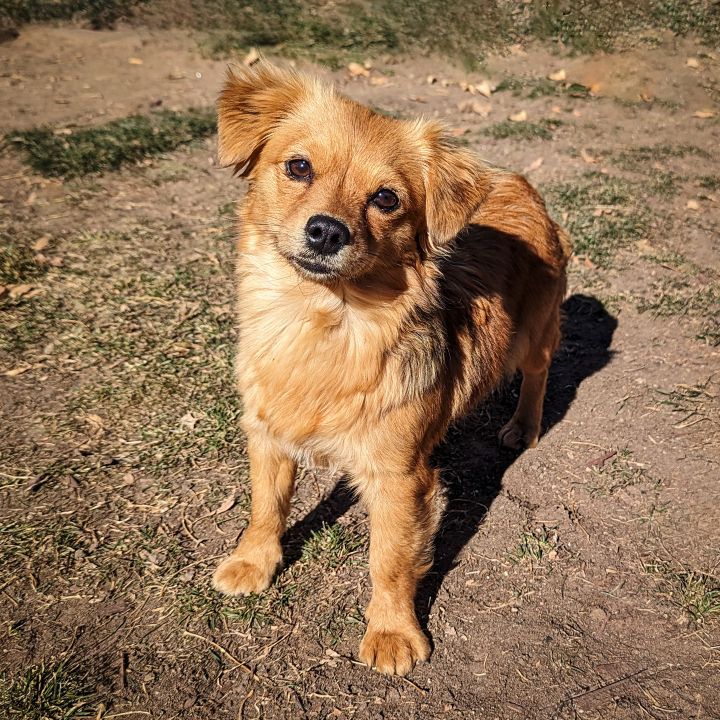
[252, 104]
[456, 183]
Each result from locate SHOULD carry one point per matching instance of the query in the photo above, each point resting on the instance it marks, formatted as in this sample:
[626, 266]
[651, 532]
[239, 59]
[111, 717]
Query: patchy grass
[523, 130]
[683, 298]
[100, 14]
[620, 473]
[536, 546]
[75, 152]
[709, 182]
[697, 594]
[693, 403]
[52, 690]
[536, 87]
[602, 215]
[331, 545]
[630, 158]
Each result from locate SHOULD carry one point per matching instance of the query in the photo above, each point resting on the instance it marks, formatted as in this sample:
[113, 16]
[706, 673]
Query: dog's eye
[386, 200]
[299, 169]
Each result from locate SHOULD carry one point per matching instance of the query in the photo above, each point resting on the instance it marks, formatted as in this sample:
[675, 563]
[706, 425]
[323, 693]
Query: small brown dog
[387, 282]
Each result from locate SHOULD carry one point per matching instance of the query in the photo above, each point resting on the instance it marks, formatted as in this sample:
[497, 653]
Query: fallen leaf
[646, 97]
[252, 57]
[135, 61]
[587, 157]
[704, 114]
[188, 421]
[557, 76]
[485, 88]
[379, 80]
[97, 426]
[475, 106]
[417, 98]
[534, 165]
[226, 504]
[693, 205]
[41, 243]
[519, 116]
[517, 49]
[17, 291]
[17, 371]
[368, 64]
[556, 109]
[357, 70]
[693, 63]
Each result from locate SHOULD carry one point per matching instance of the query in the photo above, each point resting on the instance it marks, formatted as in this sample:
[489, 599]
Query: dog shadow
[471, 462]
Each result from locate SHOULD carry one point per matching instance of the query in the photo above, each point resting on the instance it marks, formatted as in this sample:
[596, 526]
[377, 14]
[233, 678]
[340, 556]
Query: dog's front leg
[258, 556]
[404, 513]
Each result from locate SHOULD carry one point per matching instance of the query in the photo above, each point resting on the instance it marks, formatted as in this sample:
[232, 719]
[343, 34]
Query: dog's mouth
[313, 268]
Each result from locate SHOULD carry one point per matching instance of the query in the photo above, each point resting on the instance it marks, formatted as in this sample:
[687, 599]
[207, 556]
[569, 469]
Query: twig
[224, 652]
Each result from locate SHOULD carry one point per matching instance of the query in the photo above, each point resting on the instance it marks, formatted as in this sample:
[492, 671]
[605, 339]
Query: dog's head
[341, 191]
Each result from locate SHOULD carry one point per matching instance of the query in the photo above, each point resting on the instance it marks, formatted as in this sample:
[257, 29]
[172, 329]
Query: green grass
[604, 214]
[523, 130]
[536, 546]
[99, 14]
[52, 690]
[696, 593]
[536, 87]
[709, 182]
[683, 298]
[620, 473]
[630, 158]
[331, 545]
[109, 146]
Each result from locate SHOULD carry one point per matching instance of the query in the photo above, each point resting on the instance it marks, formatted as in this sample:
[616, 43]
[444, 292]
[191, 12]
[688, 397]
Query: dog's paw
[518, 436]
[394, 652]
[237, 576]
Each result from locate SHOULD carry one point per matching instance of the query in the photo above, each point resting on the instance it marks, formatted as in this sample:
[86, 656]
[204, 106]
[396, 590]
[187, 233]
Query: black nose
[326, 235]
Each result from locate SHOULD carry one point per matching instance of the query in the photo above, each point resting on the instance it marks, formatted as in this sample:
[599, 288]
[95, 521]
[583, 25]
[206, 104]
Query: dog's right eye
[299, 169]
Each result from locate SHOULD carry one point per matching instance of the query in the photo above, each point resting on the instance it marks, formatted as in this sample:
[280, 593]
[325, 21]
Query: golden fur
[422, 314]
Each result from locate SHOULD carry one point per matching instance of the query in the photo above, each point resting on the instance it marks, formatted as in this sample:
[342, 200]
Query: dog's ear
[252, 104]
[456, 183]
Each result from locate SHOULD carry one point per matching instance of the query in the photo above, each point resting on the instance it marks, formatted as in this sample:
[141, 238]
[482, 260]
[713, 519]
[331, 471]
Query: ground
[578, 579]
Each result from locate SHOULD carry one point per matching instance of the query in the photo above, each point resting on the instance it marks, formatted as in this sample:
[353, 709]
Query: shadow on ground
[471, 461]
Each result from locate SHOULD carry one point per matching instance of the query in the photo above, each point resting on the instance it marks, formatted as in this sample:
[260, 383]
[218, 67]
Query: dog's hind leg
[523, 429]
[254, 562]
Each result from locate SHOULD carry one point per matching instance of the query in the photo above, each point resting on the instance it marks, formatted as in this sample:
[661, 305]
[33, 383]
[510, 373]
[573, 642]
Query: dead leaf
[475, 106]
[17, 291]
[188, 421]
[587, 157]
[521, 116]
[646, 97]
[227, 504]
[692, 62]
[485, 88]
[417, 98]
[556, 109]
[41, 243]
[252, 57]
[379, 80]
[96, 423]
[534, 165]
[704, 114]
[693, 205]
[17, 371]
[558, 76]
[135, 61]
[357, 70]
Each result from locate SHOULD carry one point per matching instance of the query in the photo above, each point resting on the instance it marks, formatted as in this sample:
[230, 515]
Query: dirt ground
[579, 579]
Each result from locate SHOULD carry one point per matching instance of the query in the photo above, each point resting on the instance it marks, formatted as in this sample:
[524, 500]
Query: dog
[388, 280]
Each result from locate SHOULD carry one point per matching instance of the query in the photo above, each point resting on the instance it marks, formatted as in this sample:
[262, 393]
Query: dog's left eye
[386, 200]
[299, 169]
